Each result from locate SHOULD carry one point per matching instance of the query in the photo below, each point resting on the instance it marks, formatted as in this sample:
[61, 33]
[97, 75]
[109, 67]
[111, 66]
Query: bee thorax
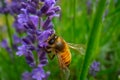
[59, 46]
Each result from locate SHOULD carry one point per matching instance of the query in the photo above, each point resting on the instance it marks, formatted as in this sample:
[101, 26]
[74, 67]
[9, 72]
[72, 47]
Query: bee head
[52, 39]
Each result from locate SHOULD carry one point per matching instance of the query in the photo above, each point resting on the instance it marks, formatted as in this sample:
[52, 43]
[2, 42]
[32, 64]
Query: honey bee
[59, 47]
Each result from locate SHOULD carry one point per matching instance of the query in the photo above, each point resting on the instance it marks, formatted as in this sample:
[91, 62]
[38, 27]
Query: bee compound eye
[51, 41]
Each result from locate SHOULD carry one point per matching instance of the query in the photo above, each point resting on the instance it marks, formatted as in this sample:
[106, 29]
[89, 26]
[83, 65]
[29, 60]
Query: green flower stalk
[93, 39]
[8, 29]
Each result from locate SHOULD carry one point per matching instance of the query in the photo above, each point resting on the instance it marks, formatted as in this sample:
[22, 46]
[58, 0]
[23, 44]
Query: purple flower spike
[94, 68]
[34, 21]
[37, 31]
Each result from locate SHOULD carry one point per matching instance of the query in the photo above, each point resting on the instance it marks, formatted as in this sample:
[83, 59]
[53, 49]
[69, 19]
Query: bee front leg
[51, 57]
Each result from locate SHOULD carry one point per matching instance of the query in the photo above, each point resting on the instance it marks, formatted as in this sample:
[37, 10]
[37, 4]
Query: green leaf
[93, 39]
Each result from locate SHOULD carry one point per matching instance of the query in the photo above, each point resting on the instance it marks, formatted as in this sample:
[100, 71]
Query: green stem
[74, 17]
[14, 64]
[8, 29]
[93, 39]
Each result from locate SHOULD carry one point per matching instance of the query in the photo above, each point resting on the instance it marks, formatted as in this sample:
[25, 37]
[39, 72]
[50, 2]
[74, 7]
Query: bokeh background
[74, 25]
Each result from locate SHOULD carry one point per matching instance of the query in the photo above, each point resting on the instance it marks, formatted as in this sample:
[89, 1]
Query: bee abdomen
[67, 63]
[66, 57]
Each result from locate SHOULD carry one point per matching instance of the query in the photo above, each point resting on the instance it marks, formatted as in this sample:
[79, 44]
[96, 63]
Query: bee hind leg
[66, 72]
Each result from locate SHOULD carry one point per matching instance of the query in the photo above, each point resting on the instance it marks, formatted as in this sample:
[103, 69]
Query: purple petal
[19, 53]
[34, 19]
[56, 8]
[30, 58]
[46, 23]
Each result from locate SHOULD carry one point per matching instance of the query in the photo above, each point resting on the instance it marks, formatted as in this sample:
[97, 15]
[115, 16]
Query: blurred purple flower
[31, 6]
[4, 44]
[11, 6]
[39, 74]
[16, 39]
[89, 6]
[27, 76]
[18, 27]
[94, 68]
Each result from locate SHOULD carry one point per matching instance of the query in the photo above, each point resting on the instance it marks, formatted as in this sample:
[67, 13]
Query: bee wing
[78, 47]
[64, 68]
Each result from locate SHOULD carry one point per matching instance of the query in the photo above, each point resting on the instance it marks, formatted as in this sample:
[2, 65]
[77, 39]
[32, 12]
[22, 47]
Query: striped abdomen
[66, 56]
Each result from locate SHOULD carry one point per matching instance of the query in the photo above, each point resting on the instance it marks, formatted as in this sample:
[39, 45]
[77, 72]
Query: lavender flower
[94, 68]
[37, 31]
[28, 20]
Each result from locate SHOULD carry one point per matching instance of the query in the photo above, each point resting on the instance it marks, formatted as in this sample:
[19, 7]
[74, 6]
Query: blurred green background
[74, 25]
